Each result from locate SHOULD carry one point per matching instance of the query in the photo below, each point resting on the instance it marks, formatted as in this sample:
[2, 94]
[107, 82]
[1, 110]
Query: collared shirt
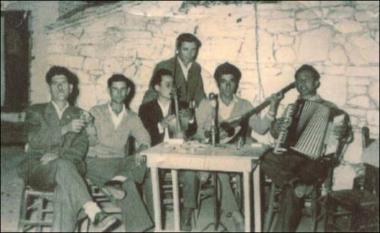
[116, 119]
[315, 97]
[185, 69]
[165, 111]
[226, 110]
[60, 111]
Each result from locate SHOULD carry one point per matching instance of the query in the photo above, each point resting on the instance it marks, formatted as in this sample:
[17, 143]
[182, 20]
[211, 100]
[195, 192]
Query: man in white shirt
[186, 71]
[107, 161]
[227, 77]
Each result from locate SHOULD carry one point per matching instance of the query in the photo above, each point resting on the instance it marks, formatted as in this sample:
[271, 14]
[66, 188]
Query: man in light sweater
[107, 163]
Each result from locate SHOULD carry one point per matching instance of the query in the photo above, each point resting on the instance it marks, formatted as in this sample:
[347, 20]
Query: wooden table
[195, 156]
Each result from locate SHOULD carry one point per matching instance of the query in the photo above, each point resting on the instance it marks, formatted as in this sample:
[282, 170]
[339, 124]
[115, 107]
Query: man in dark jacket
[56, 149]
[158, 117]
[186, 71]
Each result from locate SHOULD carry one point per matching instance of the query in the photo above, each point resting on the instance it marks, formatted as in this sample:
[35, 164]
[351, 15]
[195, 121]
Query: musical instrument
[279, 147]
[311, 129]
[233, 126]
[178, 132]
[214, 122]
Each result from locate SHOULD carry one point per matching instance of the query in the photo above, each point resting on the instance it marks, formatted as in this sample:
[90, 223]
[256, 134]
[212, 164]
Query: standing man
[227, 77]
[107, 163]
[159, 119]
[187, 72]
[57, 145]
[293, 171]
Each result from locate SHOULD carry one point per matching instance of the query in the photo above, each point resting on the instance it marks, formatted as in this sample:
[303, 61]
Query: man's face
[227, 85]
[306, 84]
[60, 88]
[118, 92]
[166, 86]
[187, 51]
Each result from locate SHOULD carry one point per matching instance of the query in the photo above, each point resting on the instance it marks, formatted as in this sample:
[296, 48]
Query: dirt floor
[11, 187]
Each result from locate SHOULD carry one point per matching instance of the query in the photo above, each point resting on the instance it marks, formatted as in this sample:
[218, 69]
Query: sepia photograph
[190, 116]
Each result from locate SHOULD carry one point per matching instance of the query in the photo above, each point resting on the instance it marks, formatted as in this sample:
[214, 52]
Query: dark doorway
[16, 61]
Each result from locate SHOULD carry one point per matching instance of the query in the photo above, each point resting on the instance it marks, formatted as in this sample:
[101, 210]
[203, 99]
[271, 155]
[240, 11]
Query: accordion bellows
[315, 126]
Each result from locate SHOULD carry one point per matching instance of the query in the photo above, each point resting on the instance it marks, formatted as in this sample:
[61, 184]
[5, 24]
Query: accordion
[311, 129]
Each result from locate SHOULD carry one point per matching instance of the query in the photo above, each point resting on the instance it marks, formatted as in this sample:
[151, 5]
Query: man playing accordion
[305, 136]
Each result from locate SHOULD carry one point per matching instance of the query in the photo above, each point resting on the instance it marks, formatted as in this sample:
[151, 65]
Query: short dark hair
[187, 37]
[157, 76]
[308, 68]
[119, 78]
[227, 68]
[60, 70]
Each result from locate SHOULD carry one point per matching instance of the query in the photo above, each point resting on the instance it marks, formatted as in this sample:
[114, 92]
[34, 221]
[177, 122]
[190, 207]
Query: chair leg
[22, 211]
[269, 214]
[314, 210]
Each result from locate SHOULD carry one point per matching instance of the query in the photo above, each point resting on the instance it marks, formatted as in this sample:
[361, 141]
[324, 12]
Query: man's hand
[282, 124]
[140, 159]
[90, 129]
[75, 126]
[46, 158]
[274, 101]
[168, 121]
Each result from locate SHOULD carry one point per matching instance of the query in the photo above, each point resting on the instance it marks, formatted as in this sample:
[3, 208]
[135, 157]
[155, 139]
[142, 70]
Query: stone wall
[268, 42]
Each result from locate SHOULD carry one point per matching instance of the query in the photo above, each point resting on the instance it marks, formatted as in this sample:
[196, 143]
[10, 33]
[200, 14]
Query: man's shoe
[115, 188]
[186, 219]
[104, 222]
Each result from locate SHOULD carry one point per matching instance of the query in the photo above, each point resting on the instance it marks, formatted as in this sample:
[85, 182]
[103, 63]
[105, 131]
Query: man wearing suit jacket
[186, 71]
[107, 162]
[57, 146]
[158, 118]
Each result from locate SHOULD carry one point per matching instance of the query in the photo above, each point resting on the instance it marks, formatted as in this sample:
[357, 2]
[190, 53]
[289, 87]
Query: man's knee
[64, 165]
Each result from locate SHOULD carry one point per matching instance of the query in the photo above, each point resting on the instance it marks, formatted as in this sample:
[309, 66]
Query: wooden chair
[356, 209]
[36, 208]
[316, 200]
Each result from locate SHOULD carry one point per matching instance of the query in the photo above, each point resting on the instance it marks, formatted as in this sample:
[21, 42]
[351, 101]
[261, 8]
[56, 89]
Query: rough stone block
[338, 94]
[341, 12]
[285, 55]
[373, 117]
[311, 13]
[87, 96]
[363, 16]
[349, 26]
[285, 40]
[310, 49]
[66, 60]
[338, 56]
[113, 65]
[362, 101]
[277, 25]
[358, 81]
[363, 71]
[265, 47]
[335, 70]
[358, 112]
[91, 64]
[357, 90]
[374, 92]
[362, 49]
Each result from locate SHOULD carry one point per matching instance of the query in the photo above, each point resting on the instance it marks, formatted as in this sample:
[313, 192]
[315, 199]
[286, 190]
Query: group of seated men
[67, 146]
